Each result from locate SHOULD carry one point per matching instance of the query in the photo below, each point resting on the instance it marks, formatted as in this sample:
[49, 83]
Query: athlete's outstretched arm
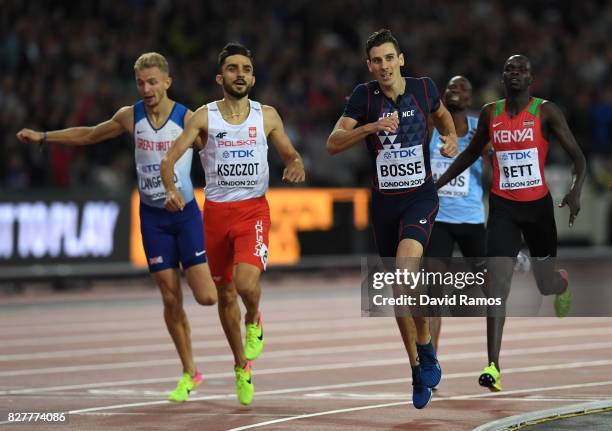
[120, 123]
[193, 127]
[443, 121]
[345, 135]
[472, 152]
[294, 166]
[556, 123]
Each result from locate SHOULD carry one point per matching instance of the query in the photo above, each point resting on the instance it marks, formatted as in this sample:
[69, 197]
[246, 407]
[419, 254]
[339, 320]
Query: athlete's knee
[172, 297]
[209, 297]
[245, 283]
[420, 321]
[202, 285]
[227, 295]
[205, 293]
[173, 303]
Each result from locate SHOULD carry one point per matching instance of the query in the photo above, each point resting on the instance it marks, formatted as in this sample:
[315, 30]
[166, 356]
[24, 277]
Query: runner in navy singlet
[391, 114]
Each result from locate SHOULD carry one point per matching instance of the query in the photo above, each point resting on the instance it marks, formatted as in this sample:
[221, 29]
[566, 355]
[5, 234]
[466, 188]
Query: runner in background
[460, 218]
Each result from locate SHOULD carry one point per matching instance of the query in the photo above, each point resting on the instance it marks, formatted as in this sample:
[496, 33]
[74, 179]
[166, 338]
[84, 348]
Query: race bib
[455, 188]
[519, 169]
[237, 168]
[150, 182]
[400, 168]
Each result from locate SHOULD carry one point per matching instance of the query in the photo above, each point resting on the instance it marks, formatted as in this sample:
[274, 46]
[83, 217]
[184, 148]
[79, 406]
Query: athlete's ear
[401, 59]
[219, 79]
[168, 82]
[369, 65]
[253, 81]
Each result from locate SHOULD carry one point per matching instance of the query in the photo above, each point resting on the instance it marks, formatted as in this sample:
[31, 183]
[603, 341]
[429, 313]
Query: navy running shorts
[407, 215]
[169, 238]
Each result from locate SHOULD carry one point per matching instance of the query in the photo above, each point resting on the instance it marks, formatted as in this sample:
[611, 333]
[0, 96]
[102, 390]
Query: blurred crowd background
[66, 64]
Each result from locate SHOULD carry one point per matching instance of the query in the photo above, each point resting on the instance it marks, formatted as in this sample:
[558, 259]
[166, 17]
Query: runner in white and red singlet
[235, 132]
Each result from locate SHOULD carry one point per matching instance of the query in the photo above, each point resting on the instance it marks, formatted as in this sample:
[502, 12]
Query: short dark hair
[233, 48]
[378, 38]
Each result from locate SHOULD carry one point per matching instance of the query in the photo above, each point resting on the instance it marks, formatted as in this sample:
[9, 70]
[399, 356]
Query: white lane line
[275, 354]
[543, 399]
[316, 311]
[311, 388]
[169, 347]
[453, 398]
[328, 412]
[390, 396]
[119, 327]
[321, 367]
[289, 339]
[205, 328]
[370, 383]
[343, 386]
[212, 328]
[203, 359]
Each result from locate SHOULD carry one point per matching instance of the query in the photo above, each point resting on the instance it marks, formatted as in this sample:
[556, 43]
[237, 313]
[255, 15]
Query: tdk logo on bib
[518, 155]
[238, 154]
[400, 154]
[149, 168]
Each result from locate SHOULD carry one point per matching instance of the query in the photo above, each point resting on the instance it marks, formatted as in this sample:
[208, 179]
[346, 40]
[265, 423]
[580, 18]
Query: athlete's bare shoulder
[197, 121]
[201, 114]
[550, 107]
[488, 106]
[270, 114]
[188, 115]
[552, 113]
[272, 119]
[270, 110]
[202, 110]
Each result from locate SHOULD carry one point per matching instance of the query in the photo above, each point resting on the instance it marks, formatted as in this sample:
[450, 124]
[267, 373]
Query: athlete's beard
[237, 94]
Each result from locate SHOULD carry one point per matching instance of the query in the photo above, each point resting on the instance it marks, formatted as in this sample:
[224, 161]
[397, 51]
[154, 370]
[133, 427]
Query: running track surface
[104, 356]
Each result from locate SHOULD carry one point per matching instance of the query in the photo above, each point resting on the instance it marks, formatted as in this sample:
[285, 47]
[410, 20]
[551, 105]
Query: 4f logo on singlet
[509, 136]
